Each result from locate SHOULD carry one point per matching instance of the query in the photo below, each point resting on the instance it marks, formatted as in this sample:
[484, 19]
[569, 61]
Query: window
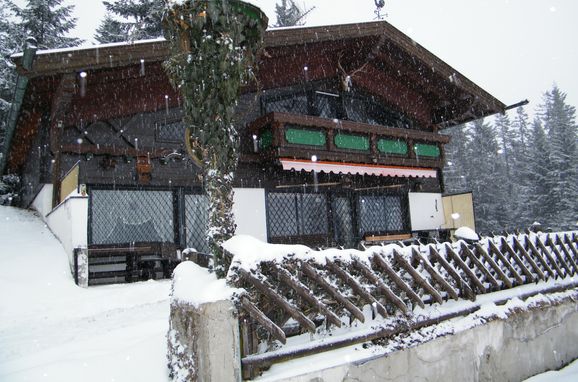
[380, 214]
[296, 214]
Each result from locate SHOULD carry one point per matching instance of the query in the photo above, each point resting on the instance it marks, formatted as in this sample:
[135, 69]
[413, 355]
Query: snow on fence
[349, 297]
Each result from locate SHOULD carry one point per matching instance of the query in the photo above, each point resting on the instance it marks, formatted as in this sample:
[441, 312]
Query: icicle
[142, 67]
[167, 103]
[97, 54]
[82, 84]
[110, 60]
[136, 143]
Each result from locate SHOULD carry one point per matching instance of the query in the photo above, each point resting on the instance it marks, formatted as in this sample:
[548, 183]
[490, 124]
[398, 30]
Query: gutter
[19, 92]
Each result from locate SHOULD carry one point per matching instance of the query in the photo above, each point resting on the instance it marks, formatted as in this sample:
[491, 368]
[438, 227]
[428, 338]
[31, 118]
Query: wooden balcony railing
[301, 137]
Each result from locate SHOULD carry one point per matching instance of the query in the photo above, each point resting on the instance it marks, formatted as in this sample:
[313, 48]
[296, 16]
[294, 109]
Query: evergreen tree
[48, 22]
[457, 160]
[538, 178]
[486, 179]
[521, 170]
[559, 123]
[110, 30]
[10, 43]
[290, 14]
[139, 20]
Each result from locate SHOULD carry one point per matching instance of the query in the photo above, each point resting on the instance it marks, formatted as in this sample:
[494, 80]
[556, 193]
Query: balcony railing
[301, 137]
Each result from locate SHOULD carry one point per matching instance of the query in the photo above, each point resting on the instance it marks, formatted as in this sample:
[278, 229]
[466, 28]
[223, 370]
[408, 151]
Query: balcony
[283, 135]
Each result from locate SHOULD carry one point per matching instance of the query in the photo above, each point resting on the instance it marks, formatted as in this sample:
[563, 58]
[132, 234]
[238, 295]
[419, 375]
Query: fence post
[203, 341]
[81, 267]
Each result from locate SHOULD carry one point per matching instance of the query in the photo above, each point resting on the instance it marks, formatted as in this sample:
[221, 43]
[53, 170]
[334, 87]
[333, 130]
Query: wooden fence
[332, 289]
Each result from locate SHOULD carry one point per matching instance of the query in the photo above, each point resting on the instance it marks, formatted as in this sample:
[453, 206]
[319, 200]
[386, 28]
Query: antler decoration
[345, 77]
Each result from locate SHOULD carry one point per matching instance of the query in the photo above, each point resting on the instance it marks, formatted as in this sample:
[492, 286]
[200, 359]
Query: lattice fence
[318, 291]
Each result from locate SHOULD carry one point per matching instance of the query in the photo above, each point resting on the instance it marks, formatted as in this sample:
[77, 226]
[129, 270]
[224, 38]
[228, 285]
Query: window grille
[196, 219]
[381, 213]
[294, 214]
[127, 216]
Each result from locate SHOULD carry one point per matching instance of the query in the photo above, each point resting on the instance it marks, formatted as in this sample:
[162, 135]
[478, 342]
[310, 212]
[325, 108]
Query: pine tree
[486, 178]
[559, 123]
[538, 178]
[457, 160]
[48, 22]
[139, 20]
[521, 171]
[290, 14]
[10, 42]
[111, 30]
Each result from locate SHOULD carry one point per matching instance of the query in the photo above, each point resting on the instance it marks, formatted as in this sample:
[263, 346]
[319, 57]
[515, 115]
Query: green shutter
[391, 146]
[352, 142]
[425, 150]
[265, 139]
[305, 137]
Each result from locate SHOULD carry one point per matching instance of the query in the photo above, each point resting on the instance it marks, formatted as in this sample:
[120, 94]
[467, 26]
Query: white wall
[68, 221]
[426, 211]
[249, 211]
[43, 201]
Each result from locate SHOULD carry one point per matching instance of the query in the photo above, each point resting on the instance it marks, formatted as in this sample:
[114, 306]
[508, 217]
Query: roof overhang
[383, 43]
[356, 169]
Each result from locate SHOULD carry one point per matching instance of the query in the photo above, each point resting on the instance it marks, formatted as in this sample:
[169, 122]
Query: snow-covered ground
[52, 330]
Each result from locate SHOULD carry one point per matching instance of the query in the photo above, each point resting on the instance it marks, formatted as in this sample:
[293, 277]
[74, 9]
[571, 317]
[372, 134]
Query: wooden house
[339, 134]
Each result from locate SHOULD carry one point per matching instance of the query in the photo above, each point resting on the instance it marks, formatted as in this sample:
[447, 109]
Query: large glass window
[380, 214]
[296, 214]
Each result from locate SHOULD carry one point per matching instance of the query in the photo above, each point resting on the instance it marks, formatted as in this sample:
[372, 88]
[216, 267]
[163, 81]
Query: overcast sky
[514, 49]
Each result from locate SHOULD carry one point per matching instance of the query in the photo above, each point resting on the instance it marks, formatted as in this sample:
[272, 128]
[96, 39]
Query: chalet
[340, 136]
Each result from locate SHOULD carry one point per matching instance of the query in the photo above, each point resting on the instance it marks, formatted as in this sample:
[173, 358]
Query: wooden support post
[268, 291]
[306, 294]
[368, 273]
[357, 288]
[437, 276]
[61, 102]
[381, 263]
[348, 305]
[262, 319]
[505, 279]
[462, 284]
[464, 267]
[421, 281]
[530, 260]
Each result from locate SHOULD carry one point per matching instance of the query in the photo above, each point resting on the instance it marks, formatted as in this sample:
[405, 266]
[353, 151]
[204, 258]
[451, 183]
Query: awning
[357, 169]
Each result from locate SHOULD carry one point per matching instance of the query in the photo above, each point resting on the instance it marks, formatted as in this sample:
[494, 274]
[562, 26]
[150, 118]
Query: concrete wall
[249, 211]
[203, 342]
[43, 200]
[524, 345]
[68, 221]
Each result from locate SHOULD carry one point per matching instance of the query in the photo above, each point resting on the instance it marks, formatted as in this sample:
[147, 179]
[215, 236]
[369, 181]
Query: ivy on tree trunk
[214, 45]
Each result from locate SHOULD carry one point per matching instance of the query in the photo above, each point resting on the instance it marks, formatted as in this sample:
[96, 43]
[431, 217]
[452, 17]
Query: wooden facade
[361, 94]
